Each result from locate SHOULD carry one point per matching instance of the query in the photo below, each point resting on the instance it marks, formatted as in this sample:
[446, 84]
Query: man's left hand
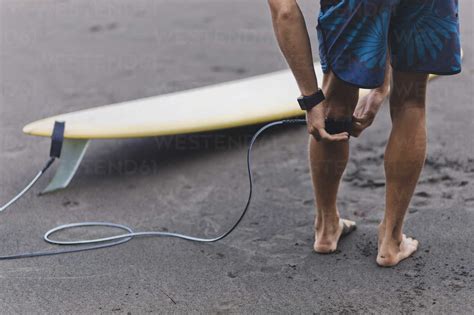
[366, 110]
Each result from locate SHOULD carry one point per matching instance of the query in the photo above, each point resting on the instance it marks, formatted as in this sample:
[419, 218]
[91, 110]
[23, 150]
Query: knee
[339, 113]
[341, 98]
[409, 92]
[340, 107]
[400, 103]
[412, 96]
[283, 9]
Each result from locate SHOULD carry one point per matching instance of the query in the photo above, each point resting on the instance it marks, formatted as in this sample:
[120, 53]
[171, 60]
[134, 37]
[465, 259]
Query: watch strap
[308, 102]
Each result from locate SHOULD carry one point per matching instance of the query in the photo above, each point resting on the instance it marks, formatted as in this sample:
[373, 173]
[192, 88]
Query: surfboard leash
[57, 140]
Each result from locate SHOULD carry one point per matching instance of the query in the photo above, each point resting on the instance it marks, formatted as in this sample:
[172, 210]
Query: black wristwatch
[308, 102]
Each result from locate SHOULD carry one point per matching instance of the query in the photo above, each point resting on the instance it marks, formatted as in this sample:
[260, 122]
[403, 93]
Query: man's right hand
[315, 118]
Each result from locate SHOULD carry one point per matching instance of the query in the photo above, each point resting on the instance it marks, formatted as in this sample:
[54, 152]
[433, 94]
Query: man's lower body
[356, 39]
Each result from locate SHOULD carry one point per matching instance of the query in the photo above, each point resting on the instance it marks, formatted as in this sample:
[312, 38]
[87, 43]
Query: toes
[348, 222]
[347, 226]
[408, 248]
[411, 242]
[414, 244]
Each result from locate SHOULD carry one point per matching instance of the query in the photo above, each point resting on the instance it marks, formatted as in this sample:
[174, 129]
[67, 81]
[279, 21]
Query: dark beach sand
[59, 56]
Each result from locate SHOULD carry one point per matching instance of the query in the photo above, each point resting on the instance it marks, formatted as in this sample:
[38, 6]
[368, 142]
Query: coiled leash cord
[56, 145]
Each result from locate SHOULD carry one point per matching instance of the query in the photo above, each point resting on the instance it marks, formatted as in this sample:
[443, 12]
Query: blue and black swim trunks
[355, 37]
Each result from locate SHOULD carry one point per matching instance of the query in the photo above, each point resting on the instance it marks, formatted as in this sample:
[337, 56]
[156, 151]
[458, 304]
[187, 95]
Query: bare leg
[328, 162]
[404, 159]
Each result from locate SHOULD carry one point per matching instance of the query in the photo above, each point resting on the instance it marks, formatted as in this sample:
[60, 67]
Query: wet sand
[60, 56]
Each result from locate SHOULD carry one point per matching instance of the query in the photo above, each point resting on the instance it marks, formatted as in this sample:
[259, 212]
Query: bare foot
[391, 252]
[326, 238]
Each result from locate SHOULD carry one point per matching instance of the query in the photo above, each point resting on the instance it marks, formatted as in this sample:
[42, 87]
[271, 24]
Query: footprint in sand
[99, 28]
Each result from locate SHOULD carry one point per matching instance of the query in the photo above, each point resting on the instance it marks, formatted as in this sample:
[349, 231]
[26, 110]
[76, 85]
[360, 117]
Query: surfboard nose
[36, 130]
[28, 129]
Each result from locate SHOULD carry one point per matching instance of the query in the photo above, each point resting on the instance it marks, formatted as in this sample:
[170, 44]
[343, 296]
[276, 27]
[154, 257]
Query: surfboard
[237, 103]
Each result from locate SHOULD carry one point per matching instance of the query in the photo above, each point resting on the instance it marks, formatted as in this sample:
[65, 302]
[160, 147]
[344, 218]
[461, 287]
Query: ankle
[328, 224]
[390, 240]
[389, 234]
[381, 228]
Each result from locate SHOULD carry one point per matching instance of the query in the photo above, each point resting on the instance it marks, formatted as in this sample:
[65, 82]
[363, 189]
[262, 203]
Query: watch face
[308, 102]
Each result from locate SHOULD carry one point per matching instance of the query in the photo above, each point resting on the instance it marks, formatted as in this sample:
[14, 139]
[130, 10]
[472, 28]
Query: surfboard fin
[72, 154]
